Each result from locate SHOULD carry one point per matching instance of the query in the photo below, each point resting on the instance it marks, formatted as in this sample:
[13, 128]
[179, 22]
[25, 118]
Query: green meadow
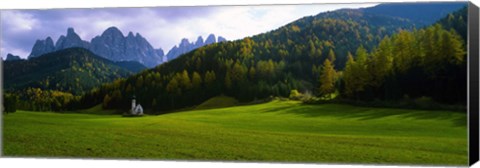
[278, 131]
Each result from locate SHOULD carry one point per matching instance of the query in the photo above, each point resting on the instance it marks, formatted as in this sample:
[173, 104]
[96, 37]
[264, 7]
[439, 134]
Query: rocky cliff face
[71, 40]
[185, 46]
[221, 39]
[210, 39]
[113, 45]
[42, 47]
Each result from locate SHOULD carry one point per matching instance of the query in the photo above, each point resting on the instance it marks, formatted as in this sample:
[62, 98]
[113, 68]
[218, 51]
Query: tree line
[428, 62]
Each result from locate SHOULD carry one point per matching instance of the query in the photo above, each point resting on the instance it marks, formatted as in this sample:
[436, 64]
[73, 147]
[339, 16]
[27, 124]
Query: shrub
[295, 95]
[426, 102]
[10, 103]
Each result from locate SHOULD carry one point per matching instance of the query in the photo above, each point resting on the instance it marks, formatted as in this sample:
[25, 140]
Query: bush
[426, 103]
[295, 95]
[10, 103]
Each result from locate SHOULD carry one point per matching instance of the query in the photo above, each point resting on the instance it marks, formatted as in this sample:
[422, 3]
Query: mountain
[422, 14]
[111, 45]
[11, 57]
[132, 66]
[114, 46]
[42, 47]
[74, 70]
[291, 57]
[210, 39]
[221, 39]
[71, 40]
[185, 46]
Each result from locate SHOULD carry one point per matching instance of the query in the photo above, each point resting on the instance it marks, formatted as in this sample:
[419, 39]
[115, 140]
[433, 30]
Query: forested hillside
[74, 70]
[309, 55]
[457, 21]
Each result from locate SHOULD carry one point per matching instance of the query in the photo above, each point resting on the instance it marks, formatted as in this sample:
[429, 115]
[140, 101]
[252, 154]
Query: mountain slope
[422, 14]
[11, 57]
[457, 21]
[132, 66]
[74, 70]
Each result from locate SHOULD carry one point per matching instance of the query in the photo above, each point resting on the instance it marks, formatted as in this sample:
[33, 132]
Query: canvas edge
[473, 84]
[472, 75]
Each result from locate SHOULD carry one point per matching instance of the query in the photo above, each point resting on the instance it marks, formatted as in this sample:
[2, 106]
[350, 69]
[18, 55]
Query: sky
[163, 27]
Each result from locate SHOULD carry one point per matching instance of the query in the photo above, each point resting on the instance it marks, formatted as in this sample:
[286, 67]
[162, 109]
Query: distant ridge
[423, 13]
[113, 45]
[185, 46]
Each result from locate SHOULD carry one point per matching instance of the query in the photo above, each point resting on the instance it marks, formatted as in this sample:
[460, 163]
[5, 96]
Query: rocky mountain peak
[130, 35]
[11, 57]
[210, 39]
[185, 46]
[71, 40]
[41, 47]
[113, 45]
[199, 41]
[113, 32]
[70, 31]
[184, 43]
[221, 39]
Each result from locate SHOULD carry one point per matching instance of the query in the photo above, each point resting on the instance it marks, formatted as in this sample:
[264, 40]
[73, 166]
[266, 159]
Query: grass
[217, 102]
[278, 131]
[98, 109]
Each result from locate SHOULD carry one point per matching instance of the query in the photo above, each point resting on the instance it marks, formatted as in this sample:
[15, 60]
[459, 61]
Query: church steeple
[134, 104]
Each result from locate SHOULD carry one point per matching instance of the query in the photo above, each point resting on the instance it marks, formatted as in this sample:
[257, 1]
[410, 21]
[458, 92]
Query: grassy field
[217, 102]
[280, 131]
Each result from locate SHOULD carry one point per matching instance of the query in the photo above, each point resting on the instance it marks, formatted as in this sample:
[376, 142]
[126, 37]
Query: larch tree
[331, 56]
[327, 79]
[196, 80]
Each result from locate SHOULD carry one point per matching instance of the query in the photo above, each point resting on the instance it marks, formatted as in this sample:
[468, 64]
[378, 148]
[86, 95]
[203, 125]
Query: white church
[136, 109]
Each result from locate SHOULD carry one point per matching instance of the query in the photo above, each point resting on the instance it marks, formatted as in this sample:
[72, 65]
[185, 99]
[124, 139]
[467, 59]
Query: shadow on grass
[369, 113]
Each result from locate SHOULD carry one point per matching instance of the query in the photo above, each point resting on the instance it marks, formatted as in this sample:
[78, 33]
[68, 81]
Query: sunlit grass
[276, 131]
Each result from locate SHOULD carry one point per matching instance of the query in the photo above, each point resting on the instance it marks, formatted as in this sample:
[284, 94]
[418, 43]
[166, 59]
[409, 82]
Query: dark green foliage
[10, 103]
[428, 64]
[310, 39]
[73, 70]
[36, 99]
[457, 21]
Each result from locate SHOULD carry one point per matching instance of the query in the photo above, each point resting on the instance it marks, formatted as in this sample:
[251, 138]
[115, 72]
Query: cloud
[163, 27]
[21, 21]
